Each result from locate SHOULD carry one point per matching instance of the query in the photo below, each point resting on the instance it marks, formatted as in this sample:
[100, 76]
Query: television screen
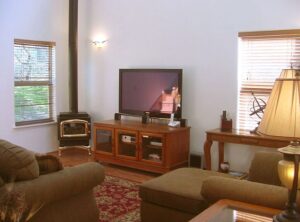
[158, 91]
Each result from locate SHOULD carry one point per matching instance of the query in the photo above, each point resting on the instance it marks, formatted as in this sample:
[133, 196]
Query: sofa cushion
[17, 163]
[48, 163]
[217, 188]
[263, 168]
[179, 189]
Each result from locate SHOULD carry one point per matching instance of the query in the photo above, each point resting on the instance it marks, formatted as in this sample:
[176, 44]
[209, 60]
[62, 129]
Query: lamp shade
[282, 114]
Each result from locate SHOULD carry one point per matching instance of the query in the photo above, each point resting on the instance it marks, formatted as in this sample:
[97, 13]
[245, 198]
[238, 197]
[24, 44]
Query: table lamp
[282, 119]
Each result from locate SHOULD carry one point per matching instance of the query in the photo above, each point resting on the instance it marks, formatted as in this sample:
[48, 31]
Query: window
[34, 80]
[262, 56]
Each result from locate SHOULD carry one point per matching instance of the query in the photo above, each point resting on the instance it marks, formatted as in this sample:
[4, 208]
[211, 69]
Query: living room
[200, 37]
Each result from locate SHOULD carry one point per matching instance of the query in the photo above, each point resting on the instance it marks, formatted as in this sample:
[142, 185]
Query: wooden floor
[75, 156]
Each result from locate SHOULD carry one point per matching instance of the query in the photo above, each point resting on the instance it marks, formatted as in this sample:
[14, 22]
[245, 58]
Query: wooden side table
[238, 137]
[235, 211]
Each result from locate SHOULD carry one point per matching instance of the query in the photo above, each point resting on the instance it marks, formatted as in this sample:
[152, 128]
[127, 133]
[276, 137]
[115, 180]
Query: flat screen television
[157, 91]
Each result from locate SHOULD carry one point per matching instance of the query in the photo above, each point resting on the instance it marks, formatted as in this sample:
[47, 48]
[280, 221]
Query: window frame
[50, 82]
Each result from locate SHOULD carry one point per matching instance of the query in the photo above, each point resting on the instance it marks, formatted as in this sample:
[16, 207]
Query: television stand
[151, 147]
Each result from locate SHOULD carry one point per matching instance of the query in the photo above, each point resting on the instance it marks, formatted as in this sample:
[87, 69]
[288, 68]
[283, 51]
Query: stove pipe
[73, 45]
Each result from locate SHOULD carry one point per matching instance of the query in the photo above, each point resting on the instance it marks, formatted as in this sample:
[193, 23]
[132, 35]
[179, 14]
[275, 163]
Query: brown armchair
[183, 193]
[37, 188]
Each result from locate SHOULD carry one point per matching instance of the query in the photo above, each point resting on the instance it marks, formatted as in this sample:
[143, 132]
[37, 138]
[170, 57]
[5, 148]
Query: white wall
[198, 36]
[35, 20]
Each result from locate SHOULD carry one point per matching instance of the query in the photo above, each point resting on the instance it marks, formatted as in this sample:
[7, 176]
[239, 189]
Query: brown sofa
[37, 188]
[180, 195]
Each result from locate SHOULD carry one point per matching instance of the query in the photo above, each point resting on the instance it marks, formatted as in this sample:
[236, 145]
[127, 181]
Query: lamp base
[287, 216]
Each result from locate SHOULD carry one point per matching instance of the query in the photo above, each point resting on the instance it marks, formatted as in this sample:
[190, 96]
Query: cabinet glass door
[104, 140]
[127, 144]
[152, 148]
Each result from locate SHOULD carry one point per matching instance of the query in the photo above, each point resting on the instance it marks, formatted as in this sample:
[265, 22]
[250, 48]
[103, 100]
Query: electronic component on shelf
[128, 139]
[154, 157]
[154, 143]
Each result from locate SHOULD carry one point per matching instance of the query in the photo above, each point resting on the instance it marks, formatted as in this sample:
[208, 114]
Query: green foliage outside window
[31, 102]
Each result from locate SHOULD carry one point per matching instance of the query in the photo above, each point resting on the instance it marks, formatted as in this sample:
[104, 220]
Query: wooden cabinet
[150, 147]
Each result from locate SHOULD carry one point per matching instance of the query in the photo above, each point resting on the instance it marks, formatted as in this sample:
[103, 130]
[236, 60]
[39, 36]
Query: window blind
[34, 82]
[262, 56]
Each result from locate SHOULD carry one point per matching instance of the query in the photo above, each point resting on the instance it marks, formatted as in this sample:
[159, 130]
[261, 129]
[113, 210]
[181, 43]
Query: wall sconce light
[100, 43]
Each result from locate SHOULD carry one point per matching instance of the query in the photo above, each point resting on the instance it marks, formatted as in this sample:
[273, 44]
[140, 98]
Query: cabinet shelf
[128, 143]
[152, 161]
[153, 147]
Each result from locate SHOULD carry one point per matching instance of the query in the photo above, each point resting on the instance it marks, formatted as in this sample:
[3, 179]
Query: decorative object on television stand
[226, 124]
[117, 116]
[172, 122]
[145, 117]
[257, 110]
[282, 119]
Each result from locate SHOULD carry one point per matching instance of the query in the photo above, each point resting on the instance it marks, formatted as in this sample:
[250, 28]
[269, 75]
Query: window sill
[34, 125]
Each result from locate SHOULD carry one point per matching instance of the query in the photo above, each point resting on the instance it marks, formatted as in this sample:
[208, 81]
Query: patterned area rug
[118, 200]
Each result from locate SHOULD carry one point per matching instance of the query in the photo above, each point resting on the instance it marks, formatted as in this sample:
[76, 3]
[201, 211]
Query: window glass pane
[31, 103]
[31, 63]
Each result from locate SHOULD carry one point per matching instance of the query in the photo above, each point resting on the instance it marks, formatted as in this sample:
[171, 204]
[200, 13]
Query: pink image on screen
[170, 101]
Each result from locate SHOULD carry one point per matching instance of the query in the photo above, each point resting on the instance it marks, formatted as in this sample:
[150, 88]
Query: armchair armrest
[216, 188]
[57, 186]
